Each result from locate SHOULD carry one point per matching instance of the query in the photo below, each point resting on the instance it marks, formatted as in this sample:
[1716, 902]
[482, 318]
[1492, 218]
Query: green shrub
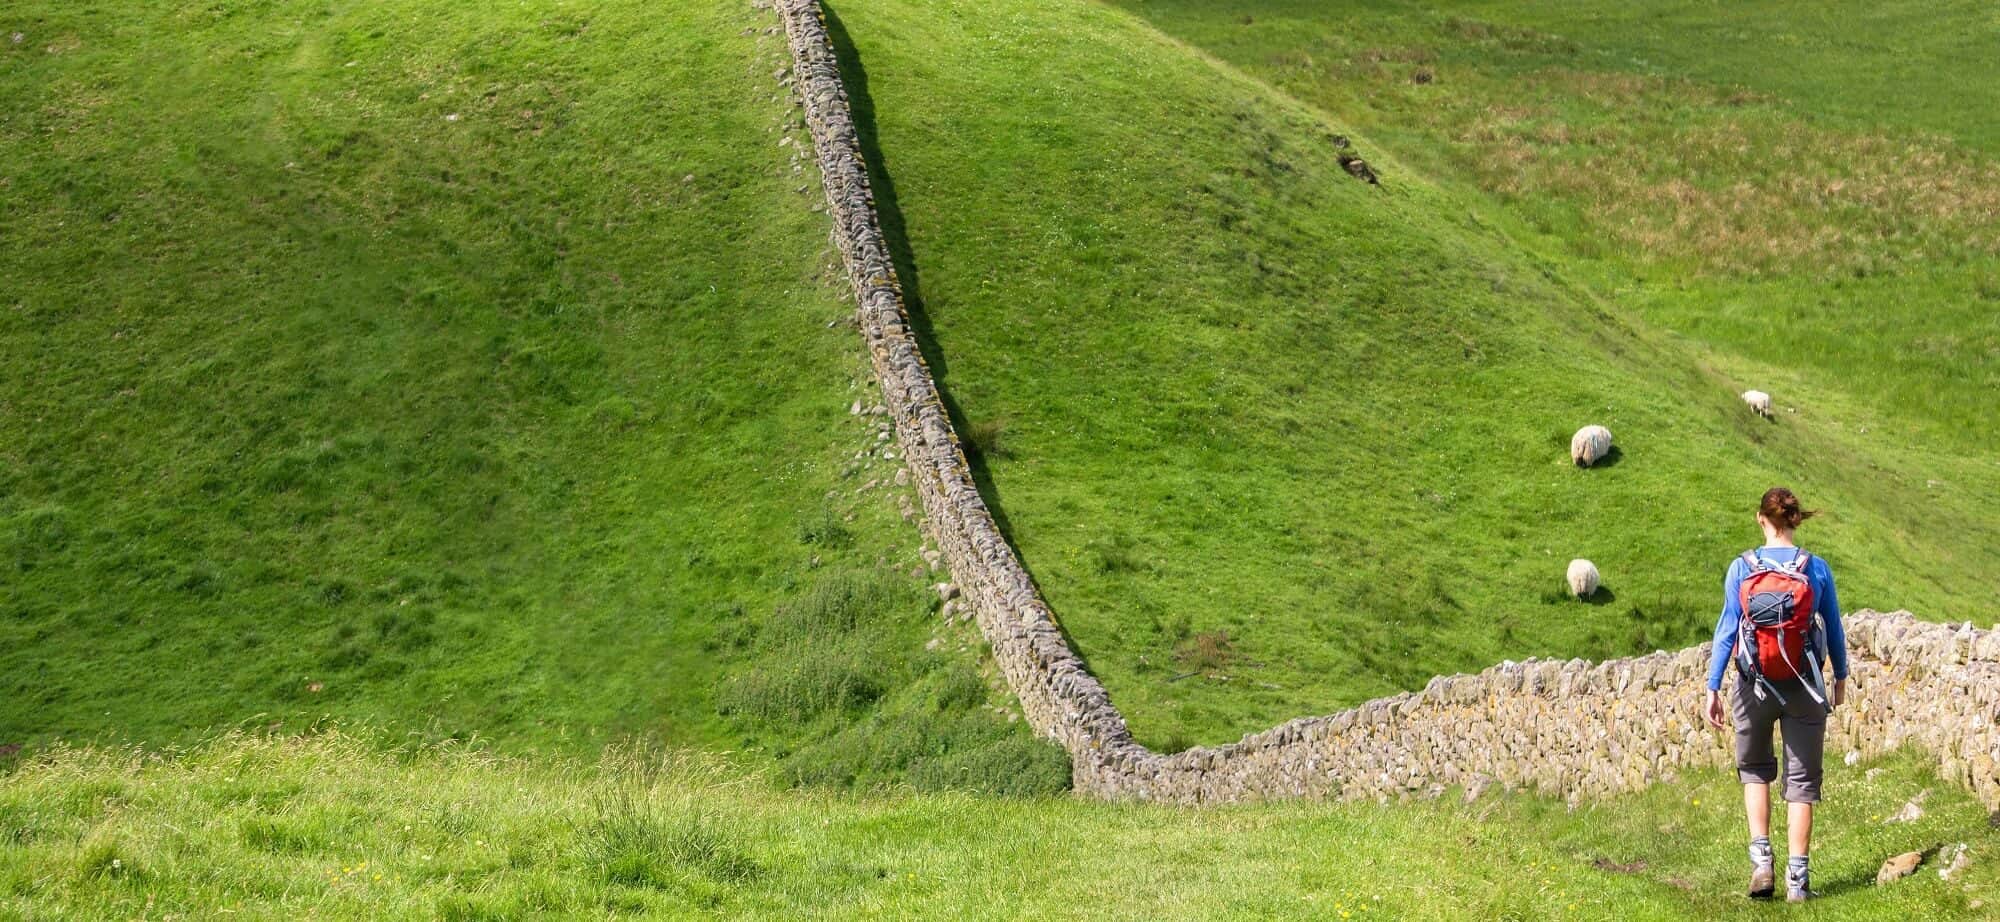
[837, 604]
[1015, 765]
[797, 690]
[846, 651]
[824, 529]
[642, 845]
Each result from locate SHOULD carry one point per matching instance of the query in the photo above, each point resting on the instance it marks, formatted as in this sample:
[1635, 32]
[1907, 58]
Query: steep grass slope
[327, 827]
[1274, 440]
[1808, 192]
[472, 369]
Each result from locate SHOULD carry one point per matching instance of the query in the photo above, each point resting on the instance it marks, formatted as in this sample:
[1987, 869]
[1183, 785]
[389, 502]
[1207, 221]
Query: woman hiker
[1780, 626]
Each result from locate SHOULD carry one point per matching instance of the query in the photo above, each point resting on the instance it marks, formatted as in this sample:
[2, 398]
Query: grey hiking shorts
[1802, 722]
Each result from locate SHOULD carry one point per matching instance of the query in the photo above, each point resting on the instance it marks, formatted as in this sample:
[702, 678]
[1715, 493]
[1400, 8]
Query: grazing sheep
[1758, 401]
[1589, 445]
[1582, 578]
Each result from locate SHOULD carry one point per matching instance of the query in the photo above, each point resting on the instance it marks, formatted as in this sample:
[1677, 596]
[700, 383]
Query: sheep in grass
[1759, 402]
[1589, 445]
[1582, 578]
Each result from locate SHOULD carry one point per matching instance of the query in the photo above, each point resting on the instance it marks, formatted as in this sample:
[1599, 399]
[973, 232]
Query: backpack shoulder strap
[1754, 562]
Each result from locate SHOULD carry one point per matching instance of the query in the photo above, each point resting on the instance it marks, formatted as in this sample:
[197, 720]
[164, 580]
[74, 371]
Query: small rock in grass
[1852, 758]
[1912, 811]
[1956, 864]
[1899, 867]
[946, 591]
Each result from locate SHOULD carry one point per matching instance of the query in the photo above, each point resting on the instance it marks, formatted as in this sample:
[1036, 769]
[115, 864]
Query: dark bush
[824, 529]
[987, 438]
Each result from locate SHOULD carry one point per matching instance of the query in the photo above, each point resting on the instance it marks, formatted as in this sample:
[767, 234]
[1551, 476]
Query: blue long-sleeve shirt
[1825, 600]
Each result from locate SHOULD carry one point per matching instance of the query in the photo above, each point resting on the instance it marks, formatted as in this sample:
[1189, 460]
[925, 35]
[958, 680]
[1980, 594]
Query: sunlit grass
[332, 827]
[1240, 392]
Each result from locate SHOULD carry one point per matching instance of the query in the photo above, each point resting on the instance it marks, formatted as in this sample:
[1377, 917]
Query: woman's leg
[1757, 806]
[1756, 768]
[1798, 827]
[1804, 730]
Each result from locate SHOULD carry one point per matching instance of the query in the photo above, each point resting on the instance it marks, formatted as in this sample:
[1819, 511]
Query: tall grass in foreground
[330, 826]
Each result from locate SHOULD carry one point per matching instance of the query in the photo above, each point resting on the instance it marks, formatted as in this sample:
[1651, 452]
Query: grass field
[478, 374]
[1802, 195]
[471, 370]
[1350, 404]
[329, 826]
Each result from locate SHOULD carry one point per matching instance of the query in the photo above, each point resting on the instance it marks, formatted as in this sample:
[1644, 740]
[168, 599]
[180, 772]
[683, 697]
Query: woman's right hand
[1714, 712]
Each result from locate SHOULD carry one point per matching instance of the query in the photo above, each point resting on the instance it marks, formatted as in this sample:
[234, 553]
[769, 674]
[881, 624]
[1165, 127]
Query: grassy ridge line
[484, 376]
[474, 370]
[359, 366]
[333, 827]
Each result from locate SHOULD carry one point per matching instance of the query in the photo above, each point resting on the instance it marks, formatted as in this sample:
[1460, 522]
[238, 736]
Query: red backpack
[1779, 636]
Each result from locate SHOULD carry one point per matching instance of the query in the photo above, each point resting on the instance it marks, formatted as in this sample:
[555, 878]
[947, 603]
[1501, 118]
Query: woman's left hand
[1713, 712]
[1839, 692]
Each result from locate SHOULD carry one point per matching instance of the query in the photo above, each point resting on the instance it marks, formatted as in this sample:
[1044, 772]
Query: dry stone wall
[1571, 729]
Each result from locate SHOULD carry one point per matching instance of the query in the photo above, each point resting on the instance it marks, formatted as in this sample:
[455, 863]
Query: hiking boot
[1798, 885]
[1762, 886]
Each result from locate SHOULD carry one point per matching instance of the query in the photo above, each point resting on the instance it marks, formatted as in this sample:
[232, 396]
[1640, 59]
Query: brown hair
[1781, 507]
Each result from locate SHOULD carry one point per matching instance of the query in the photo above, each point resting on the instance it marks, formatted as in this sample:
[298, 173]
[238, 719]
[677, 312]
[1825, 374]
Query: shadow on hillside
[894, 233]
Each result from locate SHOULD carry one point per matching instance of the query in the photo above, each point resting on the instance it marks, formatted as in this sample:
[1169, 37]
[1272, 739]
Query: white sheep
[1582, 578]
[1759, 402]
[1589, 445]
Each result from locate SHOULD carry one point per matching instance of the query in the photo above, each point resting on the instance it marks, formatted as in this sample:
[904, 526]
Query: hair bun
[1781, 507]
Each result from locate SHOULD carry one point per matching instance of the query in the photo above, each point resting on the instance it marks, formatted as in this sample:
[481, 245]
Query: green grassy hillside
[1810, 195]
[468, 369]
[1274, 440]
[328, 827]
